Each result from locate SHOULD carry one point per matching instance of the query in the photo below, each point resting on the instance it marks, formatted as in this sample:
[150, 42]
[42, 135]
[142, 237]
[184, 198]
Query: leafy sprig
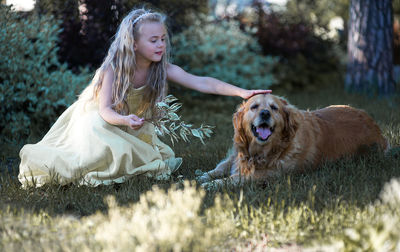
[168, 122]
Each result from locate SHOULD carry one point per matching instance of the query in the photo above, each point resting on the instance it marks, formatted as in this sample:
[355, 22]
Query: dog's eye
[255, 106]
[273, 107]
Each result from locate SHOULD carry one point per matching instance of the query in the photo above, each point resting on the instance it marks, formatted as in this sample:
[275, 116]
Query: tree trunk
[370, 47]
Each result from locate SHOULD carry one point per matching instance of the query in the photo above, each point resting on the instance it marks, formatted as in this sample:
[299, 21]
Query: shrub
[223, 51]
[307, 59]
[88, 25]
[70, 38]
[99, 20]
[178, 11]
[34, 86]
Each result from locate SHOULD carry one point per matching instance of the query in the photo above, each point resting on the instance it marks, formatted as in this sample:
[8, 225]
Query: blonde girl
[103, 138]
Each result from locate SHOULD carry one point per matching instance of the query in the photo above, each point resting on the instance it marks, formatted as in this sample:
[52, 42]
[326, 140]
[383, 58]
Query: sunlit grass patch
[164, 221]
[173, 220]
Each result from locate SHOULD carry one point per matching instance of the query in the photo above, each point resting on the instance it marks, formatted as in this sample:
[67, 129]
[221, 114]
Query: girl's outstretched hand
[134, 122]
[249, 93]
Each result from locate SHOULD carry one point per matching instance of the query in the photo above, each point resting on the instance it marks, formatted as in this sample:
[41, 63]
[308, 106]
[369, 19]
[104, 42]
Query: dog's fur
[272, 137]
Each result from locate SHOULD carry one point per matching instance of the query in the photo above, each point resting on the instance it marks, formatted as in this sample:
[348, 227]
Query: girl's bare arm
[208, 84]
[105, 105]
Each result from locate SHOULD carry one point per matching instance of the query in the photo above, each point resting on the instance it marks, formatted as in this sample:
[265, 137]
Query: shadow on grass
[357, 181]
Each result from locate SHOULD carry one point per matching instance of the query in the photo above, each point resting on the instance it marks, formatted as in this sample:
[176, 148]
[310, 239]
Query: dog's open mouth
[262, 132]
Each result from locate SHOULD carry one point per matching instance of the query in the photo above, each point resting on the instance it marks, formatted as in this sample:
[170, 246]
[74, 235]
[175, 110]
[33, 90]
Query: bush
[223, 51]
[70, 38]
[307, 59]
[87, 28]
[88, 25]
[178, 11]
[34, 86]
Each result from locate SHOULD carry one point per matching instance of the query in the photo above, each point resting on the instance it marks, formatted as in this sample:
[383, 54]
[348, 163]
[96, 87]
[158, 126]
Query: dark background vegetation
[306, 59]
[87, 33]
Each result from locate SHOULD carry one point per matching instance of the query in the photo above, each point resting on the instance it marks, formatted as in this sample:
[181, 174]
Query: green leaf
[196, 133]
[162, 105]
[173, 116]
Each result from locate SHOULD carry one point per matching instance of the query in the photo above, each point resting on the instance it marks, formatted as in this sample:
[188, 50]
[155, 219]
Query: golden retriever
[273, 137]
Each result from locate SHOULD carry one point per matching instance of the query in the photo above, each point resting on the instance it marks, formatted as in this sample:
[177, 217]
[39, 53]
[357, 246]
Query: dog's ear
[285, 102]
[241, 141]
[291, 119]
[239, 137]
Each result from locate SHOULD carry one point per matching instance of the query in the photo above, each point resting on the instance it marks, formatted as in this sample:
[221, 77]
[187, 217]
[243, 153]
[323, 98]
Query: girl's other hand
[249, 93]
[134, 122]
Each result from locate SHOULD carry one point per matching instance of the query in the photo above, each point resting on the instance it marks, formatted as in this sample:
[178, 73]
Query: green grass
[346, 205]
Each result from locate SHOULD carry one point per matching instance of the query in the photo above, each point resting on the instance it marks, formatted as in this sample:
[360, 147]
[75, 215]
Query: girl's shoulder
[109, 71]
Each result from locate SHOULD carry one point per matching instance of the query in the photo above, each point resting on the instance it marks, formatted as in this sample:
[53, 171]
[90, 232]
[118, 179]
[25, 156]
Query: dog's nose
[265, 114]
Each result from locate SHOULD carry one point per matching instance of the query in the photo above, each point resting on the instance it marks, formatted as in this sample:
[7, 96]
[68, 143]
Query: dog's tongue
[263, 132]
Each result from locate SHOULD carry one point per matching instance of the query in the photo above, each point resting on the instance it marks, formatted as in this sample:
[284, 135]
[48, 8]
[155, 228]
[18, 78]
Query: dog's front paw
[213, 185]
[203, 178]
[198, 172]
[210, 186]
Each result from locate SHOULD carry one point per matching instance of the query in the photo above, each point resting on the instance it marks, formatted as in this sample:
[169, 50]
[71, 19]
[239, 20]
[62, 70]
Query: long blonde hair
[121, 57]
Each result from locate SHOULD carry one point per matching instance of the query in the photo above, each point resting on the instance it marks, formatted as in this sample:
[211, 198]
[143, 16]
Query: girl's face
[150, 46]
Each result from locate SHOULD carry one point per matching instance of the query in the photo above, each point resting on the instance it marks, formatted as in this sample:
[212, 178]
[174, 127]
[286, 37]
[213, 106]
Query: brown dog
[273, 137]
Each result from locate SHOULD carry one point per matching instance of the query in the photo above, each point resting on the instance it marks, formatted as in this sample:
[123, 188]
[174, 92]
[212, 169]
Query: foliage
[88, 25]
[168, 122]
[87, 28]
[34, 86]
[309, 73]
[223, 51]
[177, 11]
[308, 58]
[69, 41]
[319, 12]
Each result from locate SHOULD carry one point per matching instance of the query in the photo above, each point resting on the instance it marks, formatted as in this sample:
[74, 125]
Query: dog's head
[264, 120]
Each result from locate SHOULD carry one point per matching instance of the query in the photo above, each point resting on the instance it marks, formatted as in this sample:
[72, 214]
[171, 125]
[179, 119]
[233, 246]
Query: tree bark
[370, 47]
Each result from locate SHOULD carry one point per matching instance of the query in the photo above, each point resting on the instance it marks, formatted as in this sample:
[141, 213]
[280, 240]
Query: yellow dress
[82, 148]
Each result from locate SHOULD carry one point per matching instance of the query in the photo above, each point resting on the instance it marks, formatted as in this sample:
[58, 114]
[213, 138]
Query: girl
[103, 138]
